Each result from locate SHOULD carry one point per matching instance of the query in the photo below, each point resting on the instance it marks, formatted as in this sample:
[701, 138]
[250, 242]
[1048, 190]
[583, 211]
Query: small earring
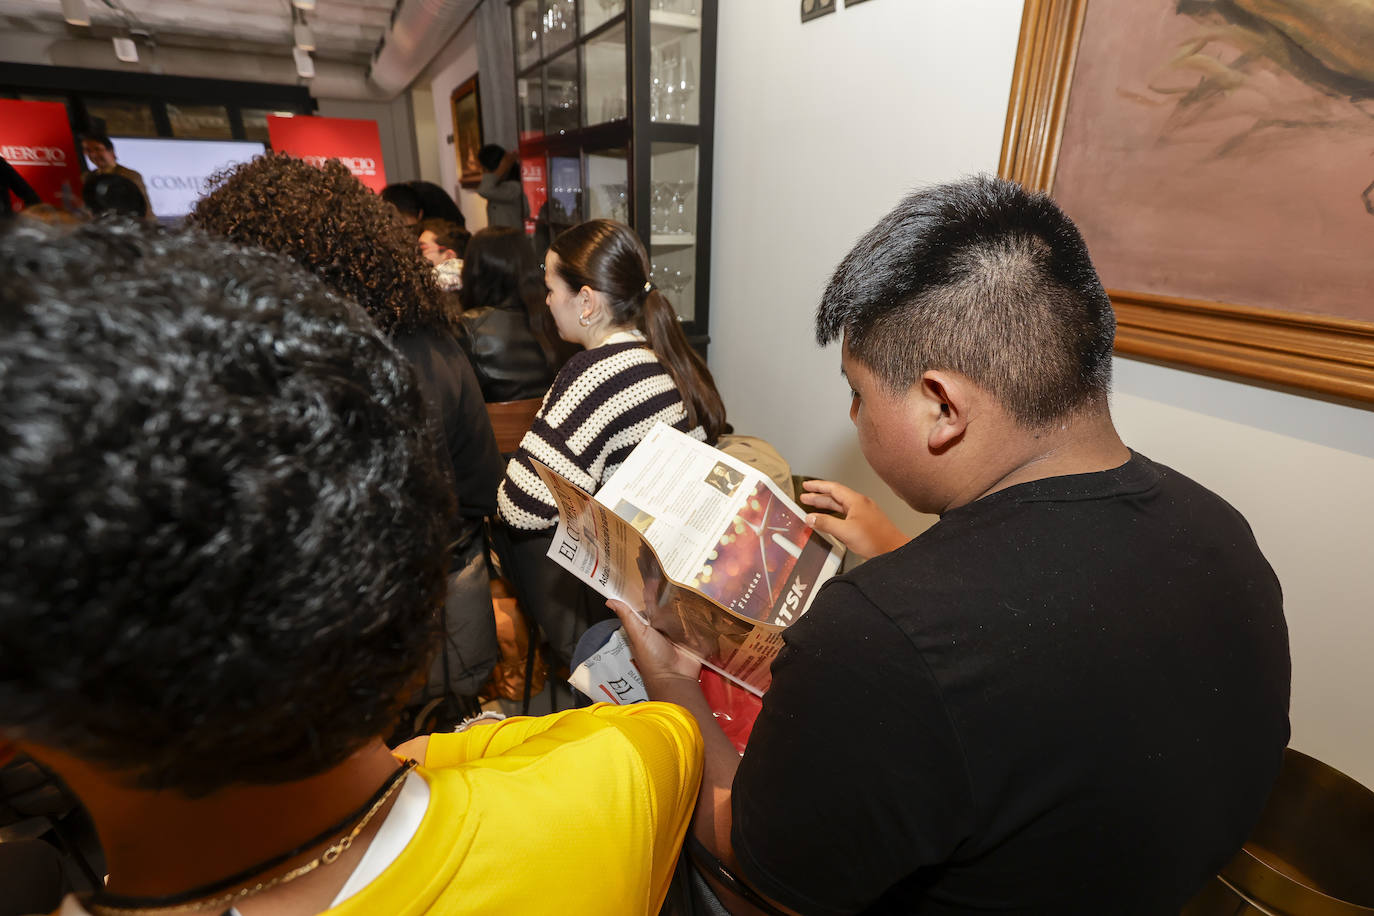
[585, 320]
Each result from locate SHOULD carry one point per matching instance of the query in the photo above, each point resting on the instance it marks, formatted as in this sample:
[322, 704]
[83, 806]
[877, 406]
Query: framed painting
[467, 132]
[811, 9]
[1219, 157]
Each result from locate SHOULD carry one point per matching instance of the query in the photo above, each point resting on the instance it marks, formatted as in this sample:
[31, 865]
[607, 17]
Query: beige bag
[760, 455]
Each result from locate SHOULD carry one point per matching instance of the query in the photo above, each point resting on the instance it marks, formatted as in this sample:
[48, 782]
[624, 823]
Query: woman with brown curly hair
[328, 222]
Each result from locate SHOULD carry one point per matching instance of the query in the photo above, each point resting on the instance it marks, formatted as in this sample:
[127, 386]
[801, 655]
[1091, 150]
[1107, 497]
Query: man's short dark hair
[447, 234]
[436, 204]
[103, 139]
[113, 193]
[404, 198]
[985, 278]
[224, 522]
[490, 156]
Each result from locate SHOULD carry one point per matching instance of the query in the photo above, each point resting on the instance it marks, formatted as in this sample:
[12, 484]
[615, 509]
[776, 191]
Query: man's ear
[946, 397]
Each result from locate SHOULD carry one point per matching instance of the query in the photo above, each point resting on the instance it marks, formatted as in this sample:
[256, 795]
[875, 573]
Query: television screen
[175, 171]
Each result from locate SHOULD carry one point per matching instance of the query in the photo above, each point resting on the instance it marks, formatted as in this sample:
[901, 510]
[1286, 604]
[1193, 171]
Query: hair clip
[648, 285]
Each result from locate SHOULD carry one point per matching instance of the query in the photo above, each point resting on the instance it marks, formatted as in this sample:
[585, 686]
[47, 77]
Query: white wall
[428, 143]
[1302, 471]
[820, 129]
[453, 66]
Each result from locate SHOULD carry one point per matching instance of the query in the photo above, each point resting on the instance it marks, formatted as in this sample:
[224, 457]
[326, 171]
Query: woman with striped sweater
[635, 370]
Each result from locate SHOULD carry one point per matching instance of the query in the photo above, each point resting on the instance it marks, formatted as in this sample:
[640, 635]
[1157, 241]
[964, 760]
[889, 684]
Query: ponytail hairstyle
[609, 257]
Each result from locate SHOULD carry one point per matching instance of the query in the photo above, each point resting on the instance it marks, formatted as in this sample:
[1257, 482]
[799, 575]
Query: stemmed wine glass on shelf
[686, 85]
[660, 200]
[682, 192]
[677, 280]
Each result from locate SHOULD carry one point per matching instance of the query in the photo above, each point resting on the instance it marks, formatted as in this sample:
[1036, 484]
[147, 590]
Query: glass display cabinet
[616, 105]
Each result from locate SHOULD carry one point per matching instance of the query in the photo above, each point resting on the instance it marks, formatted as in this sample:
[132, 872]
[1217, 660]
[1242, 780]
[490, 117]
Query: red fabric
[734, 707]
[535, 183]
[353, 141]
[36, 138]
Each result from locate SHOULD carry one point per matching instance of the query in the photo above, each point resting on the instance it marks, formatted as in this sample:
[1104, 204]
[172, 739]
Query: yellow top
[582, 812]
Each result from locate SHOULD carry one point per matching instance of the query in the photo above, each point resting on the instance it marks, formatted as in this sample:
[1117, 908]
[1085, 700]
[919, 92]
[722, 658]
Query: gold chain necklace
[328, 857]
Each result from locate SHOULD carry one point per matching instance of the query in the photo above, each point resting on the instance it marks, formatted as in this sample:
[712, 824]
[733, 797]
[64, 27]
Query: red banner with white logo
[353, 141]
[535, 182]
[36, 138]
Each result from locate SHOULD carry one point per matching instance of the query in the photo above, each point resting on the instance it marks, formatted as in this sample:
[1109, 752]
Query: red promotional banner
[353, 141]
[535, 182]
[36, 138]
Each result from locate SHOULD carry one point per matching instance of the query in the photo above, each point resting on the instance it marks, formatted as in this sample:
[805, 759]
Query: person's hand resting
[865, 529]
[658, 660]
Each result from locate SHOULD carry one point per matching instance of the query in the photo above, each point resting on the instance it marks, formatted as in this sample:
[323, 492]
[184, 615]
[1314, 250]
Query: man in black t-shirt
[1070, 695]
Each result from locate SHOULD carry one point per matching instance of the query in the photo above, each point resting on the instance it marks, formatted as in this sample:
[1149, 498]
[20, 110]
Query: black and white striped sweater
[603, 402]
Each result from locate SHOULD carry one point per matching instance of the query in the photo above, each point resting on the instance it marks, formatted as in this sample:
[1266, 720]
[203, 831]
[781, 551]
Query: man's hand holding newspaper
[657, 658]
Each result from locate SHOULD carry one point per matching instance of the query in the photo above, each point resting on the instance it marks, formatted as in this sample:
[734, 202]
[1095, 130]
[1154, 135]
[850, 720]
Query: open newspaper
[718, 558]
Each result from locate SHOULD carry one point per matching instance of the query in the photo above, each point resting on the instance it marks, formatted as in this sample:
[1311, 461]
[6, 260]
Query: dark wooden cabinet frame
[638, 133]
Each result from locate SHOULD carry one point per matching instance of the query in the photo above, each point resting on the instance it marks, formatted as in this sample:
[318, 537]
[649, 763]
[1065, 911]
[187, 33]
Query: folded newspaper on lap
[716, 556]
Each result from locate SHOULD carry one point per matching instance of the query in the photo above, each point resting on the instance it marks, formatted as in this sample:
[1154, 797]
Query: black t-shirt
[1070, 696]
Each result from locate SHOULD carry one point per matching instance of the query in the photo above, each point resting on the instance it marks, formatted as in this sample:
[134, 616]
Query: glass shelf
[673, 239]
[608, 184]
[671, 24]
[559, 25]
[598, 12]
[674, 69]
[603, 74]
[673, 218]
[561, 93]
[525, 16]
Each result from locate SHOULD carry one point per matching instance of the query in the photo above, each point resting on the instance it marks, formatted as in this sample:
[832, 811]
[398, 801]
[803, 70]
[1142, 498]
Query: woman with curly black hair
[225, 540]
[325, 220]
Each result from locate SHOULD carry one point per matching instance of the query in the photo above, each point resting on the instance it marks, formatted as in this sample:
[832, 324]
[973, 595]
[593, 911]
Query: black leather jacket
[509, 363]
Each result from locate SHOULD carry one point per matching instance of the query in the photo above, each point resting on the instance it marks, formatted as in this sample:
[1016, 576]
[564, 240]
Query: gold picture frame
[1329, 356]
[467, 132]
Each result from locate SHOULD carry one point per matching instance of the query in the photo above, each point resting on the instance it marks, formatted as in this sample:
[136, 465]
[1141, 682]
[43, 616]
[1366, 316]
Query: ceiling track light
[126, 50]
[305, 67]
[75, 12]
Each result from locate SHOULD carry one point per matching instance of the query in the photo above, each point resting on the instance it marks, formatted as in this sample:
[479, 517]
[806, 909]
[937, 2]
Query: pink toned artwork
[1224, 150]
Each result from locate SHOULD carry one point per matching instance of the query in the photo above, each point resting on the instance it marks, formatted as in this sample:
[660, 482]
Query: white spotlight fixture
[126, 50]
[305, 67]
[303, 4]
[75, 12]
[305, 39]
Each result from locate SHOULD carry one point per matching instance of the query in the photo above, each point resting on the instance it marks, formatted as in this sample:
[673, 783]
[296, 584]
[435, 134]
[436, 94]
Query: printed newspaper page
[731, 539]
[721, 527]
